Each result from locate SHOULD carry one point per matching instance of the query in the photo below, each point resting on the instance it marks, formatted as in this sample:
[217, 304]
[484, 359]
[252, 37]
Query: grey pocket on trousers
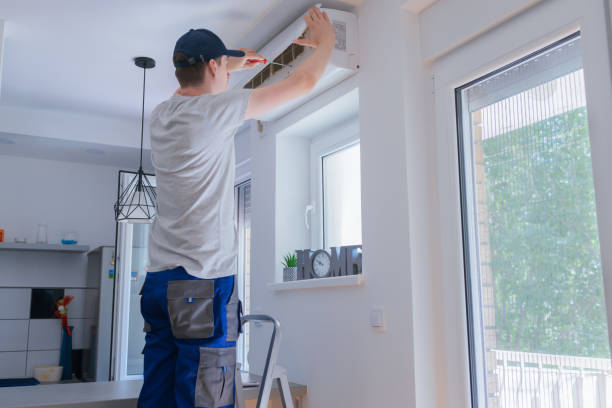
[215, 381]
[232, 315]
[190, 306]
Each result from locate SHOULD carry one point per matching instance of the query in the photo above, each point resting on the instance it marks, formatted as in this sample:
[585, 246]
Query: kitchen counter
[107, 394]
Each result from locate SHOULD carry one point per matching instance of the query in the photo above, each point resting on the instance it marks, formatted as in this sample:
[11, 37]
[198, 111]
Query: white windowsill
[351, 280]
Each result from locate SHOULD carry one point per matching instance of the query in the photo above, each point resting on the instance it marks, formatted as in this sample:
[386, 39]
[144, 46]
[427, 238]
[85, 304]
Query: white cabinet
[100, 275]
[84, 305]
[45, 334]
[82, 333]
[76, 308]
[41, 358]
[13, 364]
[15, 303]
[91, 303]
[13, 335]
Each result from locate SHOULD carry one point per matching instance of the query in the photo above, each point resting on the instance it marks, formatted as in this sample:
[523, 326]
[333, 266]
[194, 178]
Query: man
[189, 298]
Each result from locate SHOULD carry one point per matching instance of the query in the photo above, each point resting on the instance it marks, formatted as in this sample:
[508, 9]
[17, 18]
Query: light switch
[377, 318]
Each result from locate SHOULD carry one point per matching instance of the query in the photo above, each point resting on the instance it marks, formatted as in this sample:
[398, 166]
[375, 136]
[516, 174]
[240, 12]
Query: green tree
[543, 239]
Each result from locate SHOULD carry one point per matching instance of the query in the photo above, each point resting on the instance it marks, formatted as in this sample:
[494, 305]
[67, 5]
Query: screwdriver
[265, 61]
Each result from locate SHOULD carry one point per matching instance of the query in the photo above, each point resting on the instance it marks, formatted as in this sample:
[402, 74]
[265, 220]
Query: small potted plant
[289, 267]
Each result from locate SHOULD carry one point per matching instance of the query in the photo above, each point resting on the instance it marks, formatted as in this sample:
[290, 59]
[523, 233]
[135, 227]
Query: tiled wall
[26, 343]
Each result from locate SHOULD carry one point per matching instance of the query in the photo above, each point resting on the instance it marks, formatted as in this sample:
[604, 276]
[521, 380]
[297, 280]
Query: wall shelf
[43, 247]
[351, 280]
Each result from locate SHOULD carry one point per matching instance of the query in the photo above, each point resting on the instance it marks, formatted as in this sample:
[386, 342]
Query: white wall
[67, 196]
[411, 222]
[2, 35]
[292, 196]
[327, 341]
[72, 126]
[424, 221]
[462, 21]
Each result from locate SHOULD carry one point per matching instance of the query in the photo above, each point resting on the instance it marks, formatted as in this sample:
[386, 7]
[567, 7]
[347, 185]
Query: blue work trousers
[191, 326]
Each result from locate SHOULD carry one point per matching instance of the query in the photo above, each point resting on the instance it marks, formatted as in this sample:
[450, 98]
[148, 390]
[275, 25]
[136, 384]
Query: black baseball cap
[202, 45]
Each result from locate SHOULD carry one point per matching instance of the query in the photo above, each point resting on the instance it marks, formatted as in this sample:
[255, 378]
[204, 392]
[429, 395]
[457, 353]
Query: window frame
[540, 26]
[344, 136]
[120, 327]
[470, 238]
[242, 348]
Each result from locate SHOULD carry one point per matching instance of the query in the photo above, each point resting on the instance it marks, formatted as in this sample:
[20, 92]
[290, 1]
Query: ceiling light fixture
[136, 202]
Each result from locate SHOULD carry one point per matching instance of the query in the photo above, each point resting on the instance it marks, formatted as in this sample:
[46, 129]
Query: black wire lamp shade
[136, 201]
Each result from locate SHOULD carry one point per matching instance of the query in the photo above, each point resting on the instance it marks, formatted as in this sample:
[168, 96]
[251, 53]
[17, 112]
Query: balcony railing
[537, 380]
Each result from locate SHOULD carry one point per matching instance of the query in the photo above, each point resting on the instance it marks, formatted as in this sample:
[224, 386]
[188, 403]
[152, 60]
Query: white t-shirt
[192, 143]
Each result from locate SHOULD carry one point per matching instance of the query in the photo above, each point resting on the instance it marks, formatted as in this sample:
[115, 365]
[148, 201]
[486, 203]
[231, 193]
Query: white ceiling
[77, 54]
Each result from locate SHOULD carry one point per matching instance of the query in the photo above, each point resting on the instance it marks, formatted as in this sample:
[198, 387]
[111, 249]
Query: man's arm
[304, 78]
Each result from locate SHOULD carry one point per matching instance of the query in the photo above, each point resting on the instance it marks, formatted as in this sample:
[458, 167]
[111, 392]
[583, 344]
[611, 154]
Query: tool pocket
[190, 306]
[232, 315]
[215, 380]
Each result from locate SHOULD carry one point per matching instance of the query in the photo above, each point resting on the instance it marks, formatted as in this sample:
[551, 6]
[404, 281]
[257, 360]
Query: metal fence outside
[537, 380]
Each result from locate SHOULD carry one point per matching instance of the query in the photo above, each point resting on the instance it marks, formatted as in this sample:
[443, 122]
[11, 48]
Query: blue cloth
[171, 364]
[18, 382]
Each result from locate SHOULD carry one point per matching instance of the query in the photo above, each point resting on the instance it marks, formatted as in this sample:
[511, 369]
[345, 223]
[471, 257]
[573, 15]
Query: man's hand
[320, 29]
[305, 76]
[240, 63]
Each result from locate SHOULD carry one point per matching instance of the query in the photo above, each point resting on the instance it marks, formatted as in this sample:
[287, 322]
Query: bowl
[47, 374]
[69, 237]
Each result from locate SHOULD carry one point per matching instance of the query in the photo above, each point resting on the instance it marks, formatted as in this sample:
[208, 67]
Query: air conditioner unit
[343, 63]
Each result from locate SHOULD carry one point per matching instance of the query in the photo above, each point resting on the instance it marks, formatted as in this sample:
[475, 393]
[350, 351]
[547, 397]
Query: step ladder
[272, 372]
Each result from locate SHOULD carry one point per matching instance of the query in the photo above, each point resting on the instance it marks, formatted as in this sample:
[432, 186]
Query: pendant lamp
[136, 201]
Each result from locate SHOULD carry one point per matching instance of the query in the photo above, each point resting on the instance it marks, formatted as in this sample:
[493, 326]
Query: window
[131, 245]
[336, 186]
[342, 197]
[537, 323]
[242, 195]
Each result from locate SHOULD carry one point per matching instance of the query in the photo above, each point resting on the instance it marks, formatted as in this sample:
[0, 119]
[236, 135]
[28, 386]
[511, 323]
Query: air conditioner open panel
[343, 61]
